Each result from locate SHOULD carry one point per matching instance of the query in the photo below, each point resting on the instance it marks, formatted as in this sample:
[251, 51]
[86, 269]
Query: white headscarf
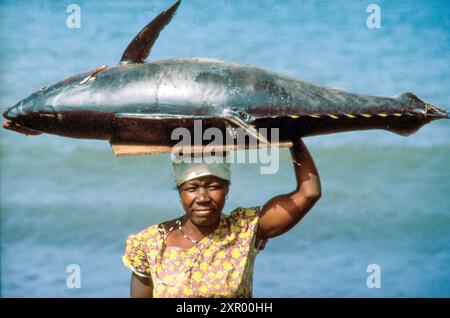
[187, 171]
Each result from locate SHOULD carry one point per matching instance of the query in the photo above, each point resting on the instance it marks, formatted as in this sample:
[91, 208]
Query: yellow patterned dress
[220, 265]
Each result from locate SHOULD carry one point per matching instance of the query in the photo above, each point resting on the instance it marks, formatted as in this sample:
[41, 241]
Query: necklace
[184, 235]
[162, 247]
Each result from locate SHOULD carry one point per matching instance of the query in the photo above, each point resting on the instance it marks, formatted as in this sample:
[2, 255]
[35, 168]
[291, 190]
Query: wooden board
[125, 149]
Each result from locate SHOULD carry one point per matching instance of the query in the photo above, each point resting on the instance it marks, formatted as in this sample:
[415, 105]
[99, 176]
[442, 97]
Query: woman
[205, 253]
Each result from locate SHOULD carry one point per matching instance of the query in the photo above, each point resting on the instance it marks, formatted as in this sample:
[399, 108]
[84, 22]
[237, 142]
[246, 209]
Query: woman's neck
[195, 231]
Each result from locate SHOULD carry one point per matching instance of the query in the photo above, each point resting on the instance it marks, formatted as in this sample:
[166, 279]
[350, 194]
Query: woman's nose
[202, 195]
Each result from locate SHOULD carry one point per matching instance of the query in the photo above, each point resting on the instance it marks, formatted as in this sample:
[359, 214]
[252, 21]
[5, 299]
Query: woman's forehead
[204, 180]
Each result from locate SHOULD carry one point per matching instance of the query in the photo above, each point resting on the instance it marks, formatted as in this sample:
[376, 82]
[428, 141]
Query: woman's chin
[204, 217]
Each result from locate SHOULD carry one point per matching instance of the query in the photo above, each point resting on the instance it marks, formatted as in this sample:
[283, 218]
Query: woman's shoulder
[243, 217]
[153, 230]
[245, 213]
[146, 233]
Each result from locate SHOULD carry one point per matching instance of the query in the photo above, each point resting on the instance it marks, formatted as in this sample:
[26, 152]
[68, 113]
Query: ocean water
[385, 198]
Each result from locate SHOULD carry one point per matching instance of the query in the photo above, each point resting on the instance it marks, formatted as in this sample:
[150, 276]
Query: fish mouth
[11, 124]
[6, 114]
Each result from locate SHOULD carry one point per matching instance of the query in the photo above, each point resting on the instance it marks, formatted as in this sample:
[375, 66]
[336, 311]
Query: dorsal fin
[138, 49]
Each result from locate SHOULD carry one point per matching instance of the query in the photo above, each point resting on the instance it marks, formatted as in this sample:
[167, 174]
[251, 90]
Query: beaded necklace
[162, 247]
[184, 235]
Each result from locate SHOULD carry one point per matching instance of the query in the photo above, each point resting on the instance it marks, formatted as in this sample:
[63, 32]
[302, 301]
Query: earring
[226, 197]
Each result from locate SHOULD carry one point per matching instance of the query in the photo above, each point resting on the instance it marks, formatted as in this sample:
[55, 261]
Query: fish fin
[410, 99]
[139, 48]
[241, 119]
[251, 130]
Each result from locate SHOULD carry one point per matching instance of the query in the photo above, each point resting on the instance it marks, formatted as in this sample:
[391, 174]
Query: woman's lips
[203, 212]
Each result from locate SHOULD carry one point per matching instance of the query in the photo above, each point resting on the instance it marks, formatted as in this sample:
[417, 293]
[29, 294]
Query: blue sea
[385, 198]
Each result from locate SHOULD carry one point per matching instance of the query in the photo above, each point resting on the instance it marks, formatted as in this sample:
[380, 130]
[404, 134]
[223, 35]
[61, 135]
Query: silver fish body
[119, 103]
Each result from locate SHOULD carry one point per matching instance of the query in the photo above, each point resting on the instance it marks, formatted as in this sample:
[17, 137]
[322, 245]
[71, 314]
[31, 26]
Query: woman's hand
[283, 212]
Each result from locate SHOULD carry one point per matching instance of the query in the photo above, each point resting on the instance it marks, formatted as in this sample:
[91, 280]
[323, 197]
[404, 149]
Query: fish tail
[436, 113]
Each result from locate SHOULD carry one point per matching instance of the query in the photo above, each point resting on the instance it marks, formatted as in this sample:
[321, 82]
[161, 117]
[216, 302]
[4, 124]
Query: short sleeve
[245, 220]
[135, 257]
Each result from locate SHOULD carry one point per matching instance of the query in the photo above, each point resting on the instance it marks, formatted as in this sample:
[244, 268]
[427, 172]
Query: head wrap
[187, 171]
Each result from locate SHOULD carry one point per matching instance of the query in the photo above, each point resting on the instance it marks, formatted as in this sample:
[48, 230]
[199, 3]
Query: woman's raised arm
[284, 211]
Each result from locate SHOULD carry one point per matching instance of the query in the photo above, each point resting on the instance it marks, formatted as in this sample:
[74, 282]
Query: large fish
[143, 102]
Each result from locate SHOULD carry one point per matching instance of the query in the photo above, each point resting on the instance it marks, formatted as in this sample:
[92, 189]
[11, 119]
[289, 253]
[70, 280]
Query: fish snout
[13, 112]
[7, 114]
[14, 122]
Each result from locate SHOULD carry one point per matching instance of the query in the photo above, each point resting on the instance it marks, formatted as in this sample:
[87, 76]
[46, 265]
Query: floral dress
[220, 265]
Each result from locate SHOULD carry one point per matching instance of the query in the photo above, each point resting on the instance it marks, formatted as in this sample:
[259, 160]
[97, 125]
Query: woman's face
[203, 199]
